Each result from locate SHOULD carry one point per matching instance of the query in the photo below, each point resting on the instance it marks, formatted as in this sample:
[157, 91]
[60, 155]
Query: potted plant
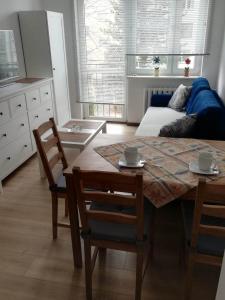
[156, 63]
[187, 69]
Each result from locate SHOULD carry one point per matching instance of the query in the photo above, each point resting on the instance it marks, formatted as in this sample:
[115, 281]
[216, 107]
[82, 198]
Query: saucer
[194, 167]
[123, 163]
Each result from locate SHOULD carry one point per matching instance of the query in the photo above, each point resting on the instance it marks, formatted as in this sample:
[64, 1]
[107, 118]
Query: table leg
[74, 222]
[104, 129]
[1, 188]
[41, 168]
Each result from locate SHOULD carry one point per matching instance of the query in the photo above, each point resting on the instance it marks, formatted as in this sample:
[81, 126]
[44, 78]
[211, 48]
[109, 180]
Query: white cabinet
[23, 107]
[45, 55]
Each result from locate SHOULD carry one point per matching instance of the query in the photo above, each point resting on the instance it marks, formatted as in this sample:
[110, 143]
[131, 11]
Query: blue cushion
[206, 244]
[115, 231]
[210, 115]
[160, 100]
[198, 85]
[205, 99]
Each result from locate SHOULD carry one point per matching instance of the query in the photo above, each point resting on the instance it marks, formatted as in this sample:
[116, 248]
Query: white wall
[221, 79]
[66, 7]
[216, 32]
[9, 20]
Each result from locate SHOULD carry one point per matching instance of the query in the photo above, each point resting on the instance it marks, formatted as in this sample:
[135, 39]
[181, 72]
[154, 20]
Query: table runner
[166, 172]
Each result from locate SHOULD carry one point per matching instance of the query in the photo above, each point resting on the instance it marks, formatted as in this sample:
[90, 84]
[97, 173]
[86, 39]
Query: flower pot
[156, 72]
[186, 72]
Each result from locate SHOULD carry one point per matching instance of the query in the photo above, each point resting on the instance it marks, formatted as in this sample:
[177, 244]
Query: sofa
[202, 102]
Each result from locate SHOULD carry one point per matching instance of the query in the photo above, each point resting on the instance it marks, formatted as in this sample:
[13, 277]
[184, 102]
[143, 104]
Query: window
[109, 111]
[109, 29]
[168, 27]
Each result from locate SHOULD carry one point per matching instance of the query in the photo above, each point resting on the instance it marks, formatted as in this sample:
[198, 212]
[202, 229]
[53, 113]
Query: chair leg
[139, 276]
[188, 283]
[54, 215]
[88, 270]
[66, 208]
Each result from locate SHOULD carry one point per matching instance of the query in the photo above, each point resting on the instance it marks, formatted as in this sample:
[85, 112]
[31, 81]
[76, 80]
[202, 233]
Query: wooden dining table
[89, 159]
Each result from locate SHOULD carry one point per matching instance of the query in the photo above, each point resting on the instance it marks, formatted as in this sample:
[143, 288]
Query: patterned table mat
[166, 172]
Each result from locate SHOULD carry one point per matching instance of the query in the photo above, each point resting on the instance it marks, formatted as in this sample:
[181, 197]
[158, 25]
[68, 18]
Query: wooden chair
[204, 226]
[115, 219]
[49, 161]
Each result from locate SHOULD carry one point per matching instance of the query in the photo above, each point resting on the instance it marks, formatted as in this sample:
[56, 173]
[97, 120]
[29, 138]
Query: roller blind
[108, 29]
[102, 50]
[169, 26]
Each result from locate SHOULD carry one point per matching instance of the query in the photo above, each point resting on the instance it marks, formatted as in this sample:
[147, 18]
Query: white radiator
[148, 92]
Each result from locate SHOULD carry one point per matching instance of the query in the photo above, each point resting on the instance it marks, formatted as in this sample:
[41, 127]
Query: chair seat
[61, 184]
[209, 245]
[118, 232]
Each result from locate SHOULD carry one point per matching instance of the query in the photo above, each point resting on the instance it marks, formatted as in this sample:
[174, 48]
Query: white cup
[131, 155]
[205, 160]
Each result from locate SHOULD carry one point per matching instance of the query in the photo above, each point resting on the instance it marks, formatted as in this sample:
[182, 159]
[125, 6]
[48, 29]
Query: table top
[78, 133]
[84, 124]
[89, 159]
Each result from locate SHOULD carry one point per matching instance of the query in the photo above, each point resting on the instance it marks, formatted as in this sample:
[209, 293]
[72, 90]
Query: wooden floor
[32, 266]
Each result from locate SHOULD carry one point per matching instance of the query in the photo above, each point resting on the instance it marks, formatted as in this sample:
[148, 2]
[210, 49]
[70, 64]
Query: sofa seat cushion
[155, 118]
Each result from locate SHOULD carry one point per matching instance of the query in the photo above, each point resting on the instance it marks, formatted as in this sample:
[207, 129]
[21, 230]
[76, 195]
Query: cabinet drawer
[46, 93]
[41, 115]
[35, 118]
[13, 130]
[47, 111]
[4, 112]
[33, 99]
[14, 154]
[17, 105]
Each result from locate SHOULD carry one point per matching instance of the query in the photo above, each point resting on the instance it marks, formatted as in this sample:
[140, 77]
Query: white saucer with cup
[205, 164]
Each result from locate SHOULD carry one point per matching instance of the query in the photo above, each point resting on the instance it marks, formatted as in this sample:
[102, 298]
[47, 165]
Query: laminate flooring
[33, 266]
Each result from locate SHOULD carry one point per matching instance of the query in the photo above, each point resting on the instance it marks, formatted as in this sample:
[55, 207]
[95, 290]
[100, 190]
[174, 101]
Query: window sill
[161, 77]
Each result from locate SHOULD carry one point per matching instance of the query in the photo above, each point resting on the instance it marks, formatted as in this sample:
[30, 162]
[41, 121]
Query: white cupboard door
[59, 65]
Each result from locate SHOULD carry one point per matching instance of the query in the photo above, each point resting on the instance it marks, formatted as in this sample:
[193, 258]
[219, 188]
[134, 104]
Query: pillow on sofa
[160, 100]
[181, 128]
[179, 97]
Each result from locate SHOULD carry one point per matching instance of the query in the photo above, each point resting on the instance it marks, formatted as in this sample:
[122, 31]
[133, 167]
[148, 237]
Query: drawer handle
[22, 124]
[46, 93]
[19, 105]
[34, 99]
[1, 113]
[36, 116]
[8, 158]
[4, 134]
[25, 146]
[48, 109]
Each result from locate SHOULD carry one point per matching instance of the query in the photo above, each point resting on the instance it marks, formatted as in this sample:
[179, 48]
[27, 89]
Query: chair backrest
[124, 190]
[210, 201]
[45, 146]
